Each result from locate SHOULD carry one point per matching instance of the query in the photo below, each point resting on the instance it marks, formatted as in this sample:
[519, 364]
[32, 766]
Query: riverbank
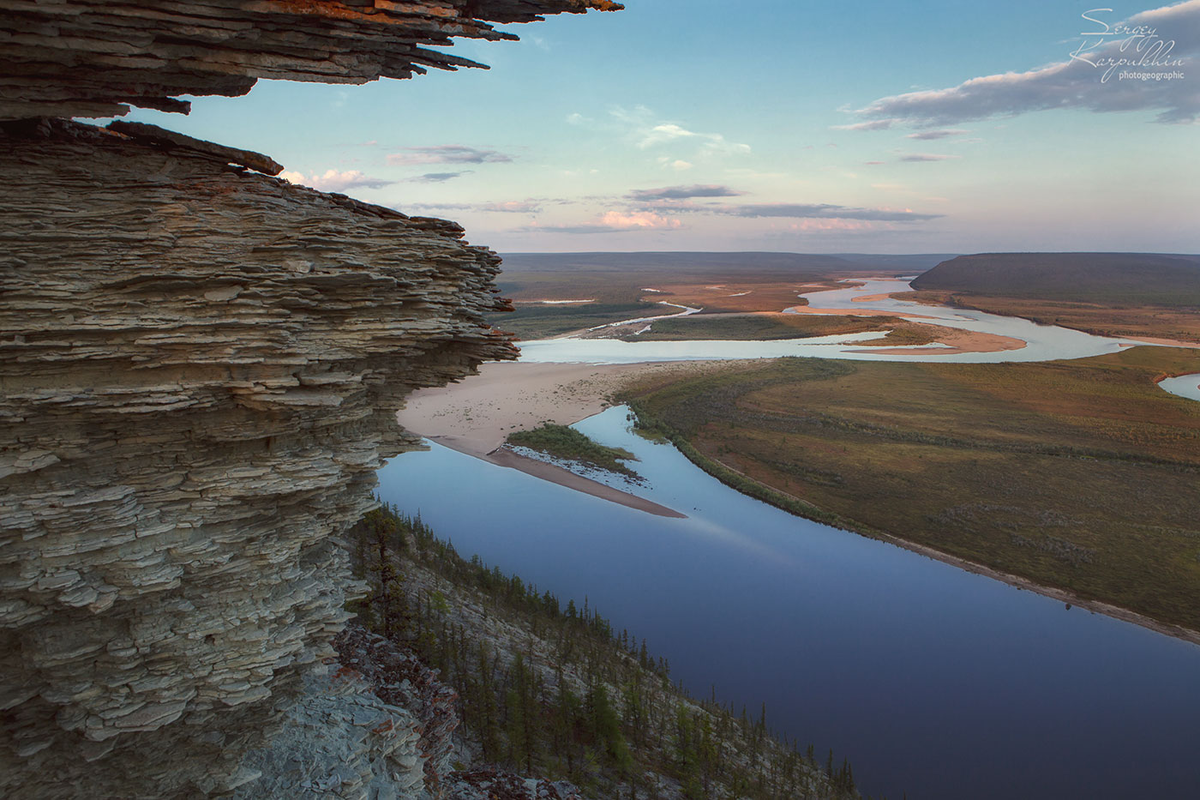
[1071, 475]
[1037, 542]
[740, 481]
[476, 416]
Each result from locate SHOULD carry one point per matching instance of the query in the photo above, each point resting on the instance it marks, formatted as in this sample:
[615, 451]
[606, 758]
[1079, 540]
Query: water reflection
[933, 681]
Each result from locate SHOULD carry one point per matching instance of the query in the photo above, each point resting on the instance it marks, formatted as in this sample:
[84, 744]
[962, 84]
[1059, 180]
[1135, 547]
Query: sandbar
[475, 416]
[1164, 342]
[958, 341]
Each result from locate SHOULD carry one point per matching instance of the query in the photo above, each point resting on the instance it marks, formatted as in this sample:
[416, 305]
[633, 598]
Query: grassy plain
[1080, 475]
[530, 321]
[765, 326]
[628, 291]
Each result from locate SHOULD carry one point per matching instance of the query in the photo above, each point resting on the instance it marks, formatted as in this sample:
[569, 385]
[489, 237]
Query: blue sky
[781, 125]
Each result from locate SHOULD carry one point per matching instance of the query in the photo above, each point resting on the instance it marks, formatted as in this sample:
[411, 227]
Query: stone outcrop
[94, 58]
[398, 677]
[199, 370]
[364, 727]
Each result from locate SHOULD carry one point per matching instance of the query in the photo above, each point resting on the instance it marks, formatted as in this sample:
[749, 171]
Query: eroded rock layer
[89, 58]
[199, 370]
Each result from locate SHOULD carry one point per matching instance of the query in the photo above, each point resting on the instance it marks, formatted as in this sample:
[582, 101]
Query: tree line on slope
[555, 691]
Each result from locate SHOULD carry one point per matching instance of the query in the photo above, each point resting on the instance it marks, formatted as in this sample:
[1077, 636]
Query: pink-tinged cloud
[447, 154]
[1089, 77]
[831, 225]
[615, 222]
[335, 181]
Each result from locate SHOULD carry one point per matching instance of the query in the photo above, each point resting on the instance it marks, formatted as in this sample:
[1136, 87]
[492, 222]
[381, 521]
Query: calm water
[931, 680]
[1185, 386]
[1044, 342]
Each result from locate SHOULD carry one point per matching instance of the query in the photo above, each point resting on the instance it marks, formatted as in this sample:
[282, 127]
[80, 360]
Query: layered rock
[398, 677]
[90, 58]
[200, 369]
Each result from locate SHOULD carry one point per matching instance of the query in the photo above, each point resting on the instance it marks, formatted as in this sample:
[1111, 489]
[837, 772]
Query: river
[1043, 342]
[933, 681]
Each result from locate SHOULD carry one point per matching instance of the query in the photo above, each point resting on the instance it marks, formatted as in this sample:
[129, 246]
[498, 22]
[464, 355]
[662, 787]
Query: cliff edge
[200, 366]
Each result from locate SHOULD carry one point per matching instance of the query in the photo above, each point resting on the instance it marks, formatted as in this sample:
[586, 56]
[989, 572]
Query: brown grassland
[763, 326]
[622, 295]
[1079, 475]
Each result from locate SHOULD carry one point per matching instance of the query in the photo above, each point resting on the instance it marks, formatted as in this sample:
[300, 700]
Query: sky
[777, 125]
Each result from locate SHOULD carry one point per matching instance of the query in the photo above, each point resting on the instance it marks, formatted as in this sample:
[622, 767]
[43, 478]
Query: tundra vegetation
[1080, 475]
[765, 327]
[634, 285]
[568, 444]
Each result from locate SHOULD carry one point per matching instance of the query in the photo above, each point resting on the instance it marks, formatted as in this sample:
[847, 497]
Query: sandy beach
[475, 416]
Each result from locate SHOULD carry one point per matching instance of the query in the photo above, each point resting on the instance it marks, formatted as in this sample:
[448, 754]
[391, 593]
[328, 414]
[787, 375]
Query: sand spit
[476, 416]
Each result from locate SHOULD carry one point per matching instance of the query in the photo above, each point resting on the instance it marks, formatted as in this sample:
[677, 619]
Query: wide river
[933, 681]
[1043, 342]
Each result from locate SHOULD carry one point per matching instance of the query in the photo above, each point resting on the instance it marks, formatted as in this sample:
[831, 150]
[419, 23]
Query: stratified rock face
[199, 370]
[88, 58]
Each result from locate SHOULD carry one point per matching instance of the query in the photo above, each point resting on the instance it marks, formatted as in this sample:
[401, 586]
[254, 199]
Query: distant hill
[719, 263]
[910, 263]
[1106, 278]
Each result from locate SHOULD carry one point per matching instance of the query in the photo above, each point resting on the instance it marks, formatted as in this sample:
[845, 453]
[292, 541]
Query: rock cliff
[94, 58]
[199, 370]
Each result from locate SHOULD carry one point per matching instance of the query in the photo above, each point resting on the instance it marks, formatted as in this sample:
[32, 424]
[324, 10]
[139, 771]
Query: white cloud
[1089, 77]
[447, 154]
[647, 132]
[871, 125]
[937, 134]
[615, 222]
[335, 181]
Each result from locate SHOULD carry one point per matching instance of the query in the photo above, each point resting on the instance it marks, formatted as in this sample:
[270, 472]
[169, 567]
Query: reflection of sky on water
[931, 679]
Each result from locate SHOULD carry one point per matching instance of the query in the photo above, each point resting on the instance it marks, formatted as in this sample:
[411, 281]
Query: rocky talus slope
[199, 370]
